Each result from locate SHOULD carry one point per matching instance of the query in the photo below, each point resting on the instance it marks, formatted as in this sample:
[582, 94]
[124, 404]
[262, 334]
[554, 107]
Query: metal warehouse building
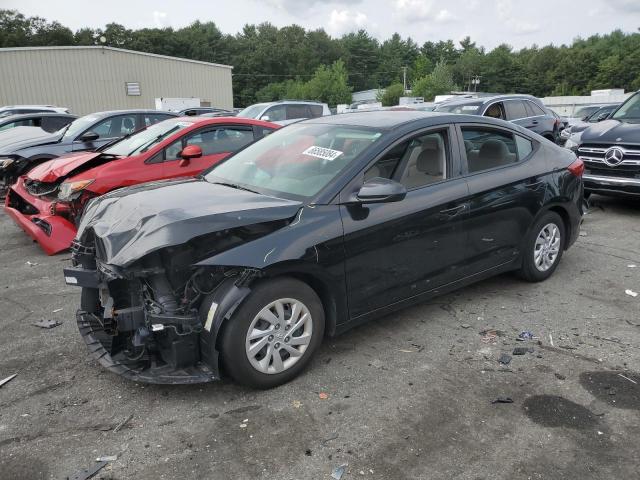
[95, 78]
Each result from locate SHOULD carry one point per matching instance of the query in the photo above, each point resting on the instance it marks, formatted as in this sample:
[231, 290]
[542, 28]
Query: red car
[48, 201]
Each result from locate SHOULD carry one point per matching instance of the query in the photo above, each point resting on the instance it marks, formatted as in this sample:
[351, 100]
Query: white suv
[18, 109]
[285, 111]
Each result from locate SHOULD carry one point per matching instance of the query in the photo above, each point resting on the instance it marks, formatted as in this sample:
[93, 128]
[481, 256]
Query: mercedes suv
[610, 151]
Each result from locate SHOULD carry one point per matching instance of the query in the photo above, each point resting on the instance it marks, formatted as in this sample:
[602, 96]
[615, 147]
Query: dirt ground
[409, 395]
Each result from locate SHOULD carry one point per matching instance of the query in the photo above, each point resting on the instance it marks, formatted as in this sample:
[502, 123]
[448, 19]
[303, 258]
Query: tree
[390, 96]
[330, 84]
[438, 82]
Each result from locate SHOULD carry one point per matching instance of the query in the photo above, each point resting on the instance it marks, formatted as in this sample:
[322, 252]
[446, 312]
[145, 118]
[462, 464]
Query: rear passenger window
[153, 118]
[524, 146]
[316, 110]
[537, 111]
[297, 111]
[487, 148]
[515, 109]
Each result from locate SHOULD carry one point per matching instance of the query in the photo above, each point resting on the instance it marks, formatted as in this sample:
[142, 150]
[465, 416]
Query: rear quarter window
[524, 147]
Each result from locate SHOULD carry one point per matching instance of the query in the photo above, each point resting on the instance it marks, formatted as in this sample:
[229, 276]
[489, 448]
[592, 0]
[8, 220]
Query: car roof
[492, 98]
[199, 120]
[22, 116]
[108, 113]
[390, 119]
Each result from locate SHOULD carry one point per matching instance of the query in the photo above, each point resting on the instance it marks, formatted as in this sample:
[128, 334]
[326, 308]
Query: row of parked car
[234, 244]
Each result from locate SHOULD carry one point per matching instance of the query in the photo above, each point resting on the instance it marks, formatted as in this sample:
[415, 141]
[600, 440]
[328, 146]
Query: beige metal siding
[93, 79]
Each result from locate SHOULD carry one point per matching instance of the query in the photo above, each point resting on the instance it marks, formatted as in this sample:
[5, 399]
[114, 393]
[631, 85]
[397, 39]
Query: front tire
[272, 336]
[543, 248]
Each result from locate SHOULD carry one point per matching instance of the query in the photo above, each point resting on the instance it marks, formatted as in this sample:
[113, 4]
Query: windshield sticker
[323, 153]
[469, 107]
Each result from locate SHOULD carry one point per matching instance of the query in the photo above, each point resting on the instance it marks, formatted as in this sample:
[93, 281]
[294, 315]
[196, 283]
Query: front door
[398, 250]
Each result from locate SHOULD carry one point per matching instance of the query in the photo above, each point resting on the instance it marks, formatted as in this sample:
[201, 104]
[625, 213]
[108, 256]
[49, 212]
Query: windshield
[467, 108]
[78, 126]
[584, 112]
[297, 161]
[629, 111]
[143, 140]
[252, 111]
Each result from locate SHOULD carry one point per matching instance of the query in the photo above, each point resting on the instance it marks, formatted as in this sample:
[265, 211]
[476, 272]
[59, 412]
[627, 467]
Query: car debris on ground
[87, 473]
[502, 400]
[8, 379]
[504, 359]
[47, 324]
[631, 293]
[122, 424]
[339, 471]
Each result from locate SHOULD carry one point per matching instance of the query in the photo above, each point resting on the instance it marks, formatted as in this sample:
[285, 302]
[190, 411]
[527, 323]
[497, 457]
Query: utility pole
[404, 77]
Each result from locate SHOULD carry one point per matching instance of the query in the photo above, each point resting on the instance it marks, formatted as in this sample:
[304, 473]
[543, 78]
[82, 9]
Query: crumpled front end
[157, 320]
[35, 208]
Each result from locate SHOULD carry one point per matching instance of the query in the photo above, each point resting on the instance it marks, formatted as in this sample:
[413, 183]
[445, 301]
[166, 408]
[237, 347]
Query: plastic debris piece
[551, 340]
[339, 471]
[526, 335]
[243, 425]
[504, 359]
[520, 350]
[123, 423]
[502, 400]
[87, 473]
[632, 265]
[57, 310]
[465, 325]
[323, 396]
[47, 324]
[297, 404]
[107, 458]
[631, 293]
[8, 379]
[32, 264]
[627, 378]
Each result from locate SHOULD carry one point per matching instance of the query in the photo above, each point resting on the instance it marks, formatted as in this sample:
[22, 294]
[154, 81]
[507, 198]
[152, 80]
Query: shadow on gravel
[553, 411]
[615, 388]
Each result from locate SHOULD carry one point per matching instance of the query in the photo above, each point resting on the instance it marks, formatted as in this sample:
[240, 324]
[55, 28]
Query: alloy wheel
[279, 335]
[547, 247]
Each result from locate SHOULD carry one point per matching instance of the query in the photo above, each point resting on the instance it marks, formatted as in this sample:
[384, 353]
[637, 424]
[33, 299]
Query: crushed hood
[132, 222]
[61, 167]
[612, 131]
[18, 138]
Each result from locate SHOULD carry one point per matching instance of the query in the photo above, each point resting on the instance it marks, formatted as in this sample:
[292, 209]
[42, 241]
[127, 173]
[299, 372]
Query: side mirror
[381, 190]
[265, 118]
[89, 136]
[191, 151]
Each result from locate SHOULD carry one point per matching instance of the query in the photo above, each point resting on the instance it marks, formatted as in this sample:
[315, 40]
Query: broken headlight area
[150, 321]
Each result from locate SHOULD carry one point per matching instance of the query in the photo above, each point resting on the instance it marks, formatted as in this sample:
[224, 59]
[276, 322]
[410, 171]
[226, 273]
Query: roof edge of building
[95, 47]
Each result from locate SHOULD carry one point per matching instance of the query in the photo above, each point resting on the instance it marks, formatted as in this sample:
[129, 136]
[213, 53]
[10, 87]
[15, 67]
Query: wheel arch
[566, 220]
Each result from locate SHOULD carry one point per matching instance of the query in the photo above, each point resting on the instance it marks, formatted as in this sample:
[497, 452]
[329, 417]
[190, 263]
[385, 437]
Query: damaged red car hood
[57, 168]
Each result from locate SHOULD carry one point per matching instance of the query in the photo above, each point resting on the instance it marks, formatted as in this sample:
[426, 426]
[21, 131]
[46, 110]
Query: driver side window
[276, 113]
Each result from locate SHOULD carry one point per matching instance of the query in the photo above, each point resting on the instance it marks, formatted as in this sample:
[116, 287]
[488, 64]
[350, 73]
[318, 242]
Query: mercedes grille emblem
[613, 156]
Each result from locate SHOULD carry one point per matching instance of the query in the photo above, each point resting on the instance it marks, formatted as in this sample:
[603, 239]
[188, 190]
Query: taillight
[576, 168]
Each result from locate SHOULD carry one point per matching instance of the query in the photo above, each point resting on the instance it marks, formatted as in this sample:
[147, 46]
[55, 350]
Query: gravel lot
[409, 395]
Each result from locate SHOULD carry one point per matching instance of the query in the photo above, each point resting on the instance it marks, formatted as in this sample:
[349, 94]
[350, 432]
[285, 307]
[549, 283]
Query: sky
[519, 23]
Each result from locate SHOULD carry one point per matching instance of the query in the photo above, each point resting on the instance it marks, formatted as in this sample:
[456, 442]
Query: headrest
[429, 160]
[494, 149]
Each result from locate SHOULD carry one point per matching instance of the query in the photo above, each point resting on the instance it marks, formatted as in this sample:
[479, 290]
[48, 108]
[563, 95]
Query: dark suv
[610, 150]
[524, 110]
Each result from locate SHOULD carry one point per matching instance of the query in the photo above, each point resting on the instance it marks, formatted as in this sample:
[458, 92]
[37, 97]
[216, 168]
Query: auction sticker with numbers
[323, 153]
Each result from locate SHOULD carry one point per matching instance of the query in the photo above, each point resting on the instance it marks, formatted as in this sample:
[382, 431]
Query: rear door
[507, 189]
[216, 142]
[398, 250]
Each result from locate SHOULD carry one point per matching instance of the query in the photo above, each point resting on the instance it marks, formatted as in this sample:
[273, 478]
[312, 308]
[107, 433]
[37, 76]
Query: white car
[17, 109]
[284, 112]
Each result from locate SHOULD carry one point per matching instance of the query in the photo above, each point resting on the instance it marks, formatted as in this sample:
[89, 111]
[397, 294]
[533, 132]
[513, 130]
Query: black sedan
[315, 229]
[21, 149]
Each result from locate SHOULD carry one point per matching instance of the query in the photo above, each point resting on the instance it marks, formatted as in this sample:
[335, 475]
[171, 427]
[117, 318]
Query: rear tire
[543, 248]
[285, 317]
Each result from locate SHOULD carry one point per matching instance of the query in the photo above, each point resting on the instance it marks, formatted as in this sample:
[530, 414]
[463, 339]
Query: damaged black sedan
[313, 230]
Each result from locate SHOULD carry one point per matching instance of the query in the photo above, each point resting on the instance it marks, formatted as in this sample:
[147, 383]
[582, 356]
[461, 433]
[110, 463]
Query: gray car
[23, 148]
